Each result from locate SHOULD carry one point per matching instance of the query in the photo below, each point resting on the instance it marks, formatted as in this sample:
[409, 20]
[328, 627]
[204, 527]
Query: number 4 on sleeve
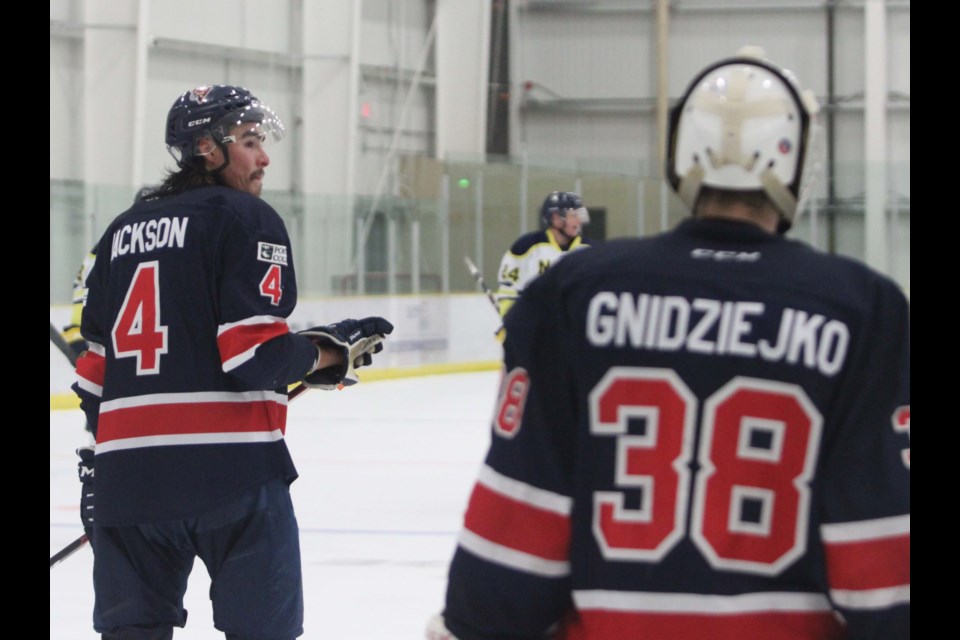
[270, 285]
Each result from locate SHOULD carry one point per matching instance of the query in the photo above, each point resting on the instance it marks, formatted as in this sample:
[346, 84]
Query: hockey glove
[85, 471]
[359, 340]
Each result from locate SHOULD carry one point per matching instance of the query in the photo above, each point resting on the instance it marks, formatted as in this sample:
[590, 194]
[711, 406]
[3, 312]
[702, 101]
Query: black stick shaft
[483, 285]
[57, 338]
[68, 550]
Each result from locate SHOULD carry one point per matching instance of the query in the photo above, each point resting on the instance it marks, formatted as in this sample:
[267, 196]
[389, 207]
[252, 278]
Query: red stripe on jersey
[244, 337]
[776, 625]
[869, 564]
[191, 418]
[518, 525]
[91, 367]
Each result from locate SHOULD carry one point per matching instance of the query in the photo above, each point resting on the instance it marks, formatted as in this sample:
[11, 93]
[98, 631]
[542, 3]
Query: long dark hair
[191, 176]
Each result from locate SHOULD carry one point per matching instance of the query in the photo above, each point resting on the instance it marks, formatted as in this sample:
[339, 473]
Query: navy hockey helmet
[744, 124]
[213, 110]
[562, 203]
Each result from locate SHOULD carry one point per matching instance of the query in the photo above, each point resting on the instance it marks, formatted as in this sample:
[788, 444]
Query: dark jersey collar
[725, 229]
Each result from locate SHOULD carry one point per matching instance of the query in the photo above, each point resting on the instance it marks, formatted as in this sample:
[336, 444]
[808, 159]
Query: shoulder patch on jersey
[272, 253]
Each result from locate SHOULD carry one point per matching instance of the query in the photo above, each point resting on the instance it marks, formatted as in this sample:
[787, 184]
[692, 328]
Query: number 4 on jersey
[137, 331]
[270, 285]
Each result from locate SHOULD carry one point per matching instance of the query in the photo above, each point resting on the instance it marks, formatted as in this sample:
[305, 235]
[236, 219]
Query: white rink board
[428, 329]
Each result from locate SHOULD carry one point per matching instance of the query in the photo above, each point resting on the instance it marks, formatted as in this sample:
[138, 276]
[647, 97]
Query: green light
[463, 183]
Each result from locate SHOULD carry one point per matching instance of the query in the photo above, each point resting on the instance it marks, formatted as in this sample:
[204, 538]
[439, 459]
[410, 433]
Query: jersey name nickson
[141, 237]
[715, 327]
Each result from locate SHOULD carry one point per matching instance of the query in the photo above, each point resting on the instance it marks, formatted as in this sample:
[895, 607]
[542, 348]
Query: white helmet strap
[781, 196]
[690, 186]
[786, 202]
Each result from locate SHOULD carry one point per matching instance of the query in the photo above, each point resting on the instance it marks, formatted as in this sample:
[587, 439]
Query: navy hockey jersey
[190, 354]
[702, 434]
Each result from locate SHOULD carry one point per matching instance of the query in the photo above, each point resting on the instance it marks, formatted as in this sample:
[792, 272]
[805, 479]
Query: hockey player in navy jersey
[720, 450]
[185, 386]
[563, 216]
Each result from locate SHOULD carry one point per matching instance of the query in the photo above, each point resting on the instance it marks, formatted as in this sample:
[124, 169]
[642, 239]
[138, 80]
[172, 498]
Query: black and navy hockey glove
[85, 471]
[359, 340]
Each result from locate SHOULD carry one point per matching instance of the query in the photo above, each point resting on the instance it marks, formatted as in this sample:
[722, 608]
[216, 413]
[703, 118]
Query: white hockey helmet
[744, 124]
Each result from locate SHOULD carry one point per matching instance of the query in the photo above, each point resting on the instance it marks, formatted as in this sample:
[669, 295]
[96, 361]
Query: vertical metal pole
[361, 256]
[831, 108]
[140, 95]
[663, 103]
[445, 232]
[641, 220]
[350, 157]
[524, 190]
[875, 136]
[392, 254]
[892, 231]
[415, 255]
[663, 85]
[478, 219]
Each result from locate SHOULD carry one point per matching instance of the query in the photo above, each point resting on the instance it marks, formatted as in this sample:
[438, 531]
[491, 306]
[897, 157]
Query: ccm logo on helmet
[194, 123]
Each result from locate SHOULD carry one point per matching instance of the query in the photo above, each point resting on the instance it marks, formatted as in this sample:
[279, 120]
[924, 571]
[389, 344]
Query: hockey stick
[72, 548]
[296, 391]
[68, 550]
[483, 285]
[57, 338]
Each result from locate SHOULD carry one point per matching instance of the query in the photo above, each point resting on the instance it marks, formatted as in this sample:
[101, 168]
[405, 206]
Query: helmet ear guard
[743, 124]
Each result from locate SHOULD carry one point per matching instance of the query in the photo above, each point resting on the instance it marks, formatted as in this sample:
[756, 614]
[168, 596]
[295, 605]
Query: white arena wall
[432, 334]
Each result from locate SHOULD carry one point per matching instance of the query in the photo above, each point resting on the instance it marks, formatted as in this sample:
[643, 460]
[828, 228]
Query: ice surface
[386, 468]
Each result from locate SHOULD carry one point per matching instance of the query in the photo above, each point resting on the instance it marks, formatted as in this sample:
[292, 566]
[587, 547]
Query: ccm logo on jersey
[725, 256]
[272, 253]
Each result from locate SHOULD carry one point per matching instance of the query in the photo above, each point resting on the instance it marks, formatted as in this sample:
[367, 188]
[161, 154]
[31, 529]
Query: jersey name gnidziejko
[688, 446]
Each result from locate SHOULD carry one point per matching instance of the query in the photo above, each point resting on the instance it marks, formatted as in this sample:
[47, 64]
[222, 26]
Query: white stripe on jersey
[634, 601]
[512, 558]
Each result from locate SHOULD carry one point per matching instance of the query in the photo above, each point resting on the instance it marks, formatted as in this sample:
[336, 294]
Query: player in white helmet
[703, 433]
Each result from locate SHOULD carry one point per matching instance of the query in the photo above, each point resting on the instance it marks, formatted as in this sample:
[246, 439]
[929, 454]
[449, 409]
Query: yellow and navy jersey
[529, 256]
[71, 332]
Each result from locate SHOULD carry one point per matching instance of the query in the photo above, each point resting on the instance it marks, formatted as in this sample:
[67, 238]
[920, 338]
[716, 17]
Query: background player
[71, 332]
[720, 449]
[563, 215]
[184, 384]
